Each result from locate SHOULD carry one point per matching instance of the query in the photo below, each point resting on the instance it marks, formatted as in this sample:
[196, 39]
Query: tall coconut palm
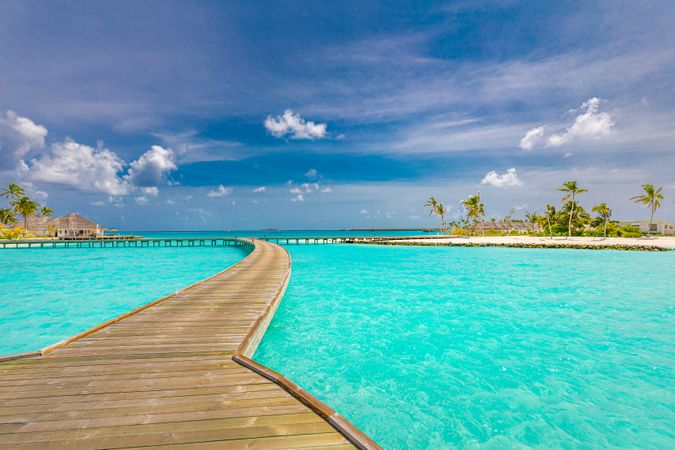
[550, 218]
[26, 208]
[13, 191]
[572, 190]
[652, 199]
[604, 215]
[432, 204]
[474, 210]
[436, 207]
[441, 211]
[534, 219]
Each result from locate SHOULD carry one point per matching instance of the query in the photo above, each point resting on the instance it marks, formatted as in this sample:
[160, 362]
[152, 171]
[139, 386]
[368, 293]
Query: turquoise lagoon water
[48, 295]
[277, 233]
[434, 348]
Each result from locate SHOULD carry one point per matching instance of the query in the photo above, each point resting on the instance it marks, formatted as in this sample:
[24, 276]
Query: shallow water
[50, 294]
[279, 233]
[484, 347]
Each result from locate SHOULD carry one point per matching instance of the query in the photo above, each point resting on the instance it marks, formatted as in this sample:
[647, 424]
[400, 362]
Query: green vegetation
[604, 214]
[19, 205]
[475, 210]
[570, 220]
[651, 198]
[436, 207]
[572, 190]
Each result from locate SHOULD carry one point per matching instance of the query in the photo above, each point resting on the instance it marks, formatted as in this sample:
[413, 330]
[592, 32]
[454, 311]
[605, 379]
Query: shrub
[629, 232]
[12, 233]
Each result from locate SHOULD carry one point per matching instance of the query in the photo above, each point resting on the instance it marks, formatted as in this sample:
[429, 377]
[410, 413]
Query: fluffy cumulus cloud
[86, 168]
[506, 179]
[100, 170]
[312, 173]
[220, 191]
[260, 190]
[18, 136]
[293, 126]
[590, 125]
[533, 137]
[152, 167]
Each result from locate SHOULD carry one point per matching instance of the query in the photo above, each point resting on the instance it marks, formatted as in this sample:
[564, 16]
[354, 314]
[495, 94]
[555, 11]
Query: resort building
[658, 226]
[69, 226]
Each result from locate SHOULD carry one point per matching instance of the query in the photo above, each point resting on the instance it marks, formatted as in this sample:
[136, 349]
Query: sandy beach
[539, 241]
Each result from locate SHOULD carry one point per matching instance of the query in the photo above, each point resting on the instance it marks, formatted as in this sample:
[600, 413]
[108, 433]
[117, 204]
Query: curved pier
[175, 373]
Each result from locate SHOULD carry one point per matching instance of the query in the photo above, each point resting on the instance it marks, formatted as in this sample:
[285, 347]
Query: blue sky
[231, 115]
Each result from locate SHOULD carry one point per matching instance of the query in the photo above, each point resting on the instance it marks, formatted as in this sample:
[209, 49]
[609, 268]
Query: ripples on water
[484, 347]
[50, 294]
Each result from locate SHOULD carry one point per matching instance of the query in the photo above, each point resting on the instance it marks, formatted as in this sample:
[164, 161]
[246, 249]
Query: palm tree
[474, 209]
[46, 211]
[7, 216]
[25, 207]
[436, 207]
[604, 214]
[651, 198]
[13, 190]
[572, 190]
[534, 219]
[441, 211]
[550, 217]
[432, 204]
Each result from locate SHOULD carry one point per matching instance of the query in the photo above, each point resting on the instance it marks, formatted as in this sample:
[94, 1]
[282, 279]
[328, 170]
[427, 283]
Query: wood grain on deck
[165, 377]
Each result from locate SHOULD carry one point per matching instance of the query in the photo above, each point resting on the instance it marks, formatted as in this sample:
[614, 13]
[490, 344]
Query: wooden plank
[163, 375]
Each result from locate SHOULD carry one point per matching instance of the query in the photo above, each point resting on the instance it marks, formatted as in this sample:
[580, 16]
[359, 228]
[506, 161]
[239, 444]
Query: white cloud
[295, 190]
[292, 125]
[507, 179]
[141, 200]
[72, 164]
[260, 190]
[591, 124]
[532, 138]
[298, 198]
[364, 212]
[152, 191]
[151, 168]
[99, 169]
[588, 125]
[326, 190]
[311, 173]
[310, 187]
[18, 135]
[221, 191]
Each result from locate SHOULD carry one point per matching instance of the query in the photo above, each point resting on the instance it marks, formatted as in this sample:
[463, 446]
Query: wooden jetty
[176, 373]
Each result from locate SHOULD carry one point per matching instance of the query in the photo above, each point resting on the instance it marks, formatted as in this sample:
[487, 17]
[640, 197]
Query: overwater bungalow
[65, 227]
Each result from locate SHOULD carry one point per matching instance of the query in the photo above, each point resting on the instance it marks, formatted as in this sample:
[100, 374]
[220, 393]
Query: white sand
[663, 242]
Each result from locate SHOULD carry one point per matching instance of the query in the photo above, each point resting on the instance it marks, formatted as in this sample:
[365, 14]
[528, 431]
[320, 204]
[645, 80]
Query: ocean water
[277, 233]
[498, 348]
[48, 295]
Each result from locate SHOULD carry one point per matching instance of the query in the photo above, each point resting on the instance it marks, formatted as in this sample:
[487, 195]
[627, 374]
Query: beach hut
[74, 226]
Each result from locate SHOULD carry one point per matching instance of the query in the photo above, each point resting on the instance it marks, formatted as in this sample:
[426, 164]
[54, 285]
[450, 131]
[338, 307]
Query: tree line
[571, 219]
[20, 205]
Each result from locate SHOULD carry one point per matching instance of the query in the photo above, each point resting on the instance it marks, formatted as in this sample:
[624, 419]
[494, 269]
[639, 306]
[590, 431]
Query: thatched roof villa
[69, 226]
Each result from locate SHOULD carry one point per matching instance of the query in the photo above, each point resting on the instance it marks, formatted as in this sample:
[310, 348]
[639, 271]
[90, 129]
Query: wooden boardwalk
[165, 376]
